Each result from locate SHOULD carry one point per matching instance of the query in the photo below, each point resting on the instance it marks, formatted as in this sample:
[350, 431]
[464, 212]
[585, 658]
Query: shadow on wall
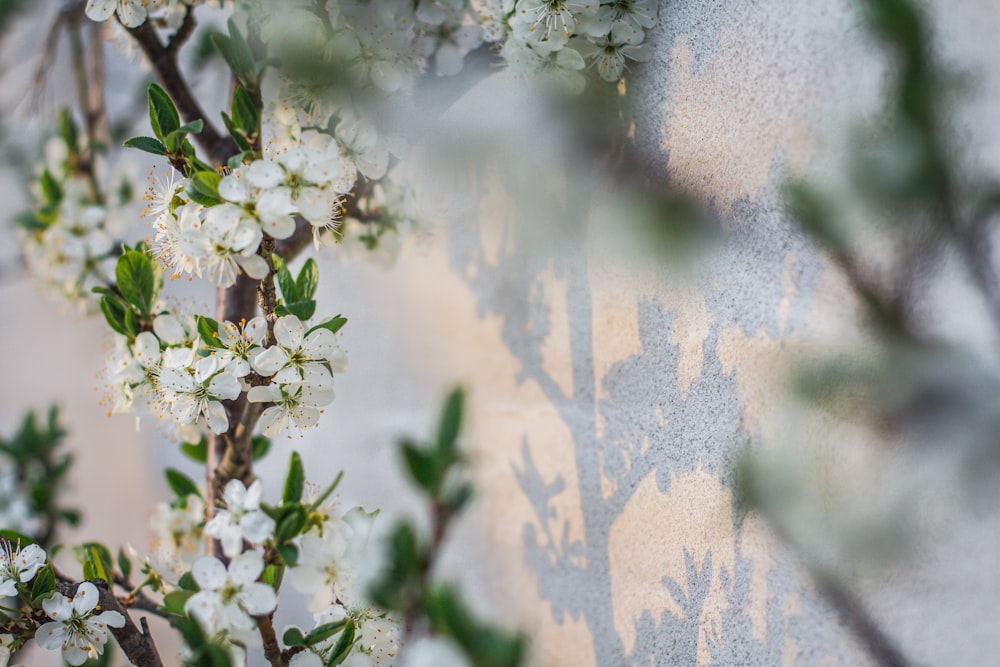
[647, 424]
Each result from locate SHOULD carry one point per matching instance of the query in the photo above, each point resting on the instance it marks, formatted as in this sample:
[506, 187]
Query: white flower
[301, 357]
[622, 21]
[242, 518]
[240, 343]
[18, 566]
[610, 56]
[321, 569]
[199, 395]
[230, 596]
[6, 647]
[75, 628]
[162, 193]
[234, 237]
[294, 404]
[177, 529]
[132, 13]
[374, 643]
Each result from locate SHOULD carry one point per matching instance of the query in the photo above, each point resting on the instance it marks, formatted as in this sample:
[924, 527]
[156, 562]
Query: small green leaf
[173, 602]
[294, 480]
[148, 144]
[290, 524]
[286, 283]
[289, 554]
[197, 452]
[423, 467]
[50, 188]
[272, 576]
[246, 116]
[260, 445]
[325, 631]
[208, 330]
[451, 421]
[114, 313]
[308, 280]
[194, 127]
[334, 324]
[124, 564]
[343, 645]
[293, 637]
[45, 583]
[163, 117]
[67, 129]
[180, 483]
[187, 582]
[300, 309]
[139, 279]
[204, 188]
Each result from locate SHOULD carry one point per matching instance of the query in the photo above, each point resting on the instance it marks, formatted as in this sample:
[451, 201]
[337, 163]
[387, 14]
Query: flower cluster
[173, 373]
[75, 628]
[68, 238]
[555, 38]
[133, 13]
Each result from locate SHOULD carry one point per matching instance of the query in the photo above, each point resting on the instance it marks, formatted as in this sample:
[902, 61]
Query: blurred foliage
[439, 471]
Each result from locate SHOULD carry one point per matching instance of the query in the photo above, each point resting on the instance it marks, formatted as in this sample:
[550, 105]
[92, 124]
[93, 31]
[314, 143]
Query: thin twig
[164, 62]
[272, 651]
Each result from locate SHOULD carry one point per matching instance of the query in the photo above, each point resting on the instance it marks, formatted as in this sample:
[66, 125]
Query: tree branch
[164, 62]
[138, 645]
[272, 651]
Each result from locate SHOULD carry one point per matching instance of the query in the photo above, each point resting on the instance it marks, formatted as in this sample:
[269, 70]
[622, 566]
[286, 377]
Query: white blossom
[241, 518]
[18, 566]
[75, 628]
[131, 13]
[229, 597]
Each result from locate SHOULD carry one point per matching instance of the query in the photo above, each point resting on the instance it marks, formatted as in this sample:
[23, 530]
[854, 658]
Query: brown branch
[272, 651]
[878, 644]
[164, 62]
[184, 31]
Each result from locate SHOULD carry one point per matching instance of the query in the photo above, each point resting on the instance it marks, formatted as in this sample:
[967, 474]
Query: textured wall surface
[611, 390]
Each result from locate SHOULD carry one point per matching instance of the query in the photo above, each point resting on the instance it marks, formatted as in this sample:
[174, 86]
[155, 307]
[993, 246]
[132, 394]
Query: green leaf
[163, 117]
[334, 324]
[272, 576]
[343, 645]
[139, 279]
[50, 188]
[208, 329]
[45, 583]
[181, 484]
[194, 127]
[131, 323]
[423, 467]
[67, 129]
[237, 134]
[451, 420]
[325, 631]
[204, 188]
[260, 445]
[300, 309]
[148, 144]
[124, 564]
[294, 480]
[246, 115]
[237, 54]
[114, 313]
[291, 523]
[286, 283]
[197, 452]
[289, 554]
[16, 538]
[293, 637]
[174, 601]
[308, 280]
[187, 582]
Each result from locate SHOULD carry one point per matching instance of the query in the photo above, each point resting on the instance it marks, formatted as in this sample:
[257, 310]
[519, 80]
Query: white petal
[246, 567]
[264, 174]
[254, 265]
[147, 349]
[272, 420]
[209, 572]
[320, 344]
[305, 416]
[85, 598]
[169, 329]
[257, 527]
[258, 599]
[224, 386]
[288, 331]
[269, 361]
[233, 189]
[235, 493]
[268, 394]
[218, 420]
[255, 329]
[101, 10]
[131, 13]
[58, 607]
[50, 636]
